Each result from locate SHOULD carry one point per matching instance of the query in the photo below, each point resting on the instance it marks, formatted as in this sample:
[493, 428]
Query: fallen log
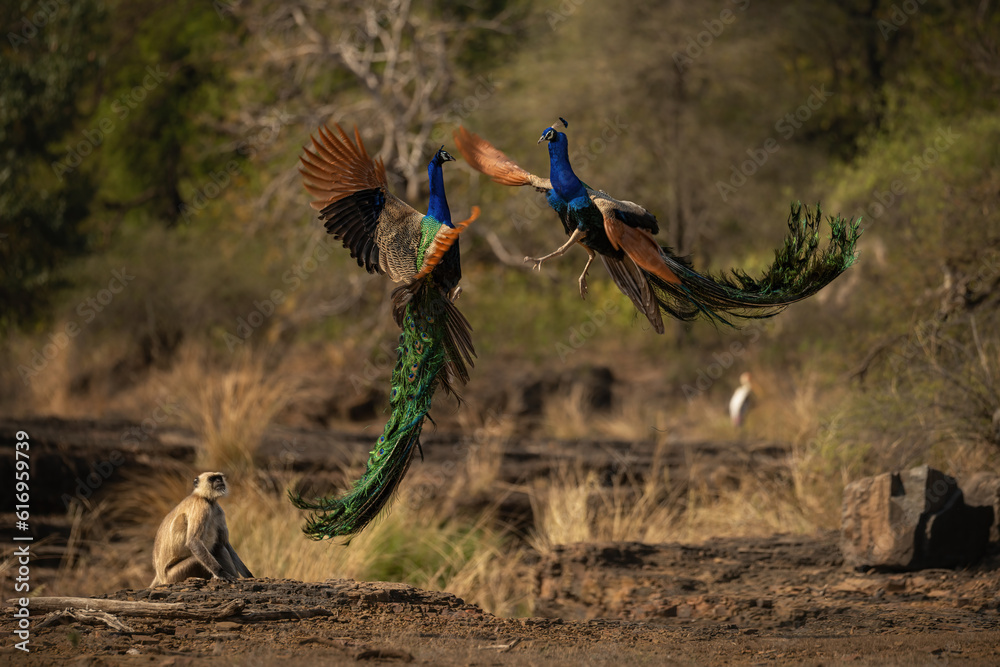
[134, 608]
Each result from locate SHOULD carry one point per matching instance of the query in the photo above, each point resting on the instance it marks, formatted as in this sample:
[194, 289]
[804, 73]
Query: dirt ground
[771, 600]
[761, 601]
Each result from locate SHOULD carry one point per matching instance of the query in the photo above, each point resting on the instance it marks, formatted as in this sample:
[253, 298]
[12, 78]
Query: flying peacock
[653, 277]
[435, 348]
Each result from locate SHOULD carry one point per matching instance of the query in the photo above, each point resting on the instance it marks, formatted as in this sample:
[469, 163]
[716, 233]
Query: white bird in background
[739, 404]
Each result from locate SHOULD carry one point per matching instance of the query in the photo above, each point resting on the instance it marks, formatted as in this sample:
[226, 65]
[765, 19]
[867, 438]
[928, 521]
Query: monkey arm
[195, 543]
[198, 549]
[222, 554]
[226, 554]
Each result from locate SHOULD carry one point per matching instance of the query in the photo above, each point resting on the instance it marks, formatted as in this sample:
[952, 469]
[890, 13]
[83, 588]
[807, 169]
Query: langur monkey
[193, 540]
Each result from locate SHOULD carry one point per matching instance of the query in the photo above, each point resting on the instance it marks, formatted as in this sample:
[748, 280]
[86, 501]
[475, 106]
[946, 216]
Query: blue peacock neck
[437, 208]
[564, 181]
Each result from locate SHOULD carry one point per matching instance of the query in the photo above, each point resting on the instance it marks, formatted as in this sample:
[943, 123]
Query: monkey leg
[558, 252]
[181, 570]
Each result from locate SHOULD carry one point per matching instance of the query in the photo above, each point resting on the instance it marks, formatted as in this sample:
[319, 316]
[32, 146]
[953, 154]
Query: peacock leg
[558, 252]
[583, 276]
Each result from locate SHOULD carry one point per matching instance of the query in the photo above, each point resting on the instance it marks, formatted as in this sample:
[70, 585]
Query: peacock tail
[657, 281]
[434, 346]
[800, 270]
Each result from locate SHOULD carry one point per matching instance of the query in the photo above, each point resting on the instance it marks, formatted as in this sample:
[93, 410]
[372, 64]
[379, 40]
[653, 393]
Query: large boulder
[911, 520]
[983, 490]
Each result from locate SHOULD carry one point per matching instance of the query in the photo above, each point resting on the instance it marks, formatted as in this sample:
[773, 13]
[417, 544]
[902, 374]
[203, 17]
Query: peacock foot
[583, 285]
[537, 262]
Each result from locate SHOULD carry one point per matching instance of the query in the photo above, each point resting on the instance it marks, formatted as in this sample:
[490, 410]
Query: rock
[594, 385]
[911, 520]
[983, 490]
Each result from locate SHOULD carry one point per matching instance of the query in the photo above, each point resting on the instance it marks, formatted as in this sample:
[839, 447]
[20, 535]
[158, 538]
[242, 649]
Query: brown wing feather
[629, 212]
[445, 238]
[638, 244]
[336, 167]
[633, 283]
[490, 160]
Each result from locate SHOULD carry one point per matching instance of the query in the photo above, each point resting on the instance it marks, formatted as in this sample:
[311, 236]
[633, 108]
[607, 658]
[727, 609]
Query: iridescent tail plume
[435, 348]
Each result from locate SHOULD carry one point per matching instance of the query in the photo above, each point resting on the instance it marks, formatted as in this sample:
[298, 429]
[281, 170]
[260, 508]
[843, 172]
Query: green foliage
[165, 100]
[46, 60]
[640, 126]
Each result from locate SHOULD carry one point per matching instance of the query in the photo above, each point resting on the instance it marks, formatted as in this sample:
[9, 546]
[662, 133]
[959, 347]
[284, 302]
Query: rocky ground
[771, 600]
[762, 601]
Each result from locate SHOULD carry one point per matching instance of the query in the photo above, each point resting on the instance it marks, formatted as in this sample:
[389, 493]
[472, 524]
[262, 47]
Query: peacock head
[441, 157]
[552, 134]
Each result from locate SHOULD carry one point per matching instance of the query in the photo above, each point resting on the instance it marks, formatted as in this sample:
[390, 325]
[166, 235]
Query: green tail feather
[435, 338]
[799, 270]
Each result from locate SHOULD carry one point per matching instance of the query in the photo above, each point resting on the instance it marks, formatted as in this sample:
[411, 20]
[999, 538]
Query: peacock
[388, 236]
[655, 279]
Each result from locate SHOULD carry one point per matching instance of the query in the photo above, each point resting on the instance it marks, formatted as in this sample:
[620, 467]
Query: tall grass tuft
[230, 409]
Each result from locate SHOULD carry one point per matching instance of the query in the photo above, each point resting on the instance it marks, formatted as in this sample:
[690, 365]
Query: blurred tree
[395, 62]
[166, 86]
[49, 57]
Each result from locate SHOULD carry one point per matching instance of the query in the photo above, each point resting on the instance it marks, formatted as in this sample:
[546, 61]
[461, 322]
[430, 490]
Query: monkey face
[211, 485]
[218, 482]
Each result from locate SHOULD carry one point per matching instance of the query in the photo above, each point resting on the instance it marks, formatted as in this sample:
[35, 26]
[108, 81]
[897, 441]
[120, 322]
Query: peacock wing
[490, 160]
[632, 282]
[353, 197]
[444, 237]
[628, 212]
[637, 243]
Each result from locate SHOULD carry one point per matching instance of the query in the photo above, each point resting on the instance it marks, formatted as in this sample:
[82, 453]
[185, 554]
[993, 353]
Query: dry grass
[231, 407]
[410, 544]
[575, 507]
[703, 500]
[431, 540]
[568, 417]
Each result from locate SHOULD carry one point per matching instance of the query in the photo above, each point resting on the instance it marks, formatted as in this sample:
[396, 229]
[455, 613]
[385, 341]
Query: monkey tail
[434, 348]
